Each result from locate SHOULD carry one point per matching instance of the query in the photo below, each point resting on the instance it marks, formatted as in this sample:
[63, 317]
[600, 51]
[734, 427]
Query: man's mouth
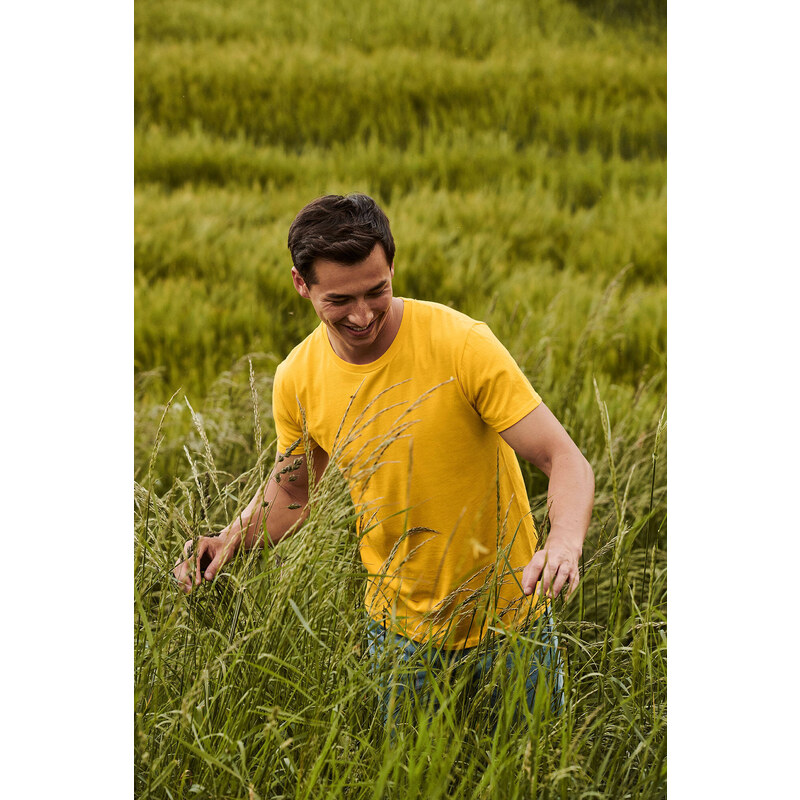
[360, 331]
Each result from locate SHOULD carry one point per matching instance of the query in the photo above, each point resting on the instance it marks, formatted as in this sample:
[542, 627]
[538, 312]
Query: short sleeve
[287, 415]
[492, 382]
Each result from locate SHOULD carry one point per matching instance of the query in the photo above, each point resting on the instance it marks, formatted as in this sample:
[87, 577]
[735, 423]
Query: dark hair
[344, 229]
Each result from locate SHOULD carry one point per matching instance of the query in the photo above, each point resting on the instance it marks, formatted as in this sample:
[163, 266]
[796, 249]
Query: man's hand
[284, 504]
[213, 552]
[555, 566]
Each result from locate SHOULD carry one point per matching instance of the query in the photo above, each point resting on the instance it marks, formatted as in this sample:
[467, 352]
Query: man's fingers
[213, 567]
[531, 574]
[559, 580]
[548, 574]
[199, 564]
[182, 567]
[568, 575]
[181, 575]
[574, 580]
[222, 555]
[198, 561]
[552, 571]
[188, 571]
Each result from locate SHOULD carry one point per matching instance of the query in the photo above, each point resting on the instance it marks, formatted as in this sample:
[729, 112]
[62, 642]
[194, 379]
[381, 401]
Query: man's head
[343, 255]
[342, 229]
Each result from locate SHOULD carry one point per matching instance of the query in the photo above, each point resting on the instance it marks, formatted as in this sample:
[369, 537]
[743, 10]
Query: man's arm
[280, 506]
[540, 438]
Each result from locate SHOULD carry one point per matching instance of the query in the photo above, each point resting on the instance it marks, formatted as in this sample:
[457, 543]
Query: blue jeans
[405, 666]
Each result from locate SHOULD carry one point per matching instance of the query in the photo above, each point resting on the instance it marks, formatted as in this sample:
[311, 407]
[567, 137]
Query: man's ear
[300, 284]
[391, 270]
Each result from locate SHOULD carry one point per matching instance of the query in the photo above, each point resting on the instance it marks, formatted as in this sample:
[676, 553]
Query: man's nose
[361, 315]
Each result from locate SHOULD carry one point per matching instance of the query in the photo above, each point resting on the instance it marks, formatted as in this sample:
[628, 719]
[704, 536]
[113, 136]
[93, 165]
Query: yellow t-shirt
[445, 518]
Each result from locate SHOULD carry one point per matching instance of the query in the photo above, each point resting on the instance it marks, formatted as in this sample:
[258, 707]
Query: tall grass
[259, 684]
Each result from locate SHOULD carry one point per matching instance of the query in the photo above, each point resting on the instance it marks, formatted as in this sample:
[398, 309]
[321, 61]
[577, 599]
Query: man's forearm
[276, 517]
[245, 529]
[280, 506]
[570, 497]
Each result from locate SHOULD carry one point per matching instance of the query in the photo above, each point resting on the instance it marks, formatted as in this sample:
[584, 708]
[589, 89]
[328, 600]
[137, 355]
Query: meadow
[519, 150]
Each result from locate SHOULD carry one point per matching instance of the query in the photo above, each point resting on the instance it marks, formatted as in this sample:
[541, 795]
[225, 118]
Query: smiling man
[355, 305]
[424, 412]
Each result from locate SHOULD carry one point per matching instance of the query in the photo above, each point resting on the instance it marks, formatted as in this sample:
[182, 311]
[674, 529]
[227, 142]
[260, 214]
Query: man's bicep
[539, 438]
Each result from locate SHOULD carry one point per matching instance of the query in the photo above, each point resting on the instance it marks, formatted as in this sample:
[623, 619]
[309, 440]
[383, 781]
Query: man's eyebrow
[334, 296]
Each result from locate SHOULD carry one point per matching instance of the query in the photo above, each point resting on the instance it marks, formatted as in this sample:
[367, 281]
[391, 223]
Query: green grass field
[519, 150]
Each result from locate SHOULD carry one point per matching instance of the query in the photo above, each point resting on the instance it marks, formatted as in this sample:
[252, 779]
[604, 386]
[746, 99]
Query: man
[422, 409]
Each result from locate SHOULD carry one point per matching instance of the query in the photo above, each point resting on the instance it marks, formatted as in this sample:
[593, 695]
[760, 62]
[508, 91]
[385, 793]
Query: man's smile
[356, 331]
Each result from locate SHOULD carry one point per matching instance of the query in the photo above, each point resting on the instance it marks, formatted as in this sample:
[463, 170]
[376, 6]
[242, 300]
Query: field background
[519, 150]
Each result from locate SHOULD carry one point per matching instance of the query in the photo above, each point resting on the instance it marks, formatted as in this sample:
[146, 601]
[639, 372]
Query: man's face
[356, 304]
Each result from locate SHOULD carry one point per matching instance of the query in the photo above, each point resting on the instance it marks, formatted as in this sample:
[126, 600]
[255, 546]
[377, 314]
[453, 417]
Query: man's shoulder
[444, 330]
[441, 331]
[302, 354]
[426, 312]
